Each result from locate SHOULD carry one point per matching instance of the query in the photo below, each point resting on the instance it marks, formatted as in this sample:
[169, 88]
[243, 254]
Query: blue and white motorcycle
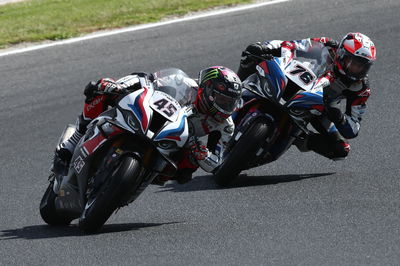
[283, 97]
[124, 149]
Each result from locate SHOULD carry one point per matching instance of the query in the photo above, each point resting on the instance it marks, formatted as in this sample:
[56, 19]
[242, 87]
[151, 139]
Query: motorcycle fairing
[177, 131]
[100, 129]
[276, 79]
[98, 138]
[165, 105]
[300, 74]
[308, 100]
[138, 102]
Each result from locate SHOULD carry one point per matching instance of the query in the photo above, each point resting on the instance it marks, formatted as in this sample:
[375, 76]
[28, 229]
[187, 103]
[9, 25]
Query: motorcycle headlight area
[167, 144]
[133, 123]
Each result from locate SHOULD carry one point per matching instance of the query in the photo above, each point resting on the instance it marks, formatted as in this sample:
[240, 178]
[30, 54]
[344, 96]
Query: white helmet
[355, 55]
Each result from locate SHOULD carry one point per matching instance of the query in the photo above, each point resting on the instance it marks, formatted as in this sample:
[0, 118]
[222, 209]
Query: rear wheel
[242, 153]
[48, 209]
[112, 194]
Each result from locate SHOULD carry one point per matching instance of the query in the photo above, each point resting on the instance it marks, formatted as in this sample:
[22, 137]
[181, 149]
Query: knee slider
[342, 149]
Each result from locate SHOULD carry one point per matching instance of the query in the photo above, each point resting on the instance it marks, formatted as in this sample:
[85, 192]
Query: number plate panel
[165, 105]
[301, 75]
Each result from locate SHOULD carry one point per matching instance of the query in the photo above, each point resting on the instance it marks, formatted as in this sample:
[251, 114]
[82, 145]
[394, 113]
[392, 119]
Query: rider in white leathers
[218, 95]
[344, 79]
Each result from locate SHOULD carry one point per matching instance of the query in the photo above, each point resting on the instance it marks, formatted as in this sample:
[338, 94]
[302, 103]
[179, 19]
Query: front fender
[249, 119]
[245, 123]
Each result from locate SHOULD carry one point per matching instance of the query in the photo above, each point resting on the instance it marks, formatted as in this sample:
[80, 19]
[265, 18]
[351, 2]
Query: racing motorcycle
[124, 149]
[284, 99]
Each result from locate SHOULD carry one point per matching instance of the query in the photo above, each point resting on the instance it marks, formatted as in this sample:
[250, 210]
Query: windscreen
[177, 84]
[317, 58]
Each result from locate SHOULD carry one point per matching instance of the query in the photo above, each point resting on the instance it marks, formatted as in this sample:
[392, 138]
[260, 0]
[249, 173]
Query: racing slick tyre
[112, 195]
[48, 208]
[243, 152]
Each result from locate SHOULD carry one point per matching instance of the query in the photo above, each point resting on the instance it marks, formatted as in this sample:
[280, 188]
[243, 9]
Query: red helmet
[219, 93]
[355, 55]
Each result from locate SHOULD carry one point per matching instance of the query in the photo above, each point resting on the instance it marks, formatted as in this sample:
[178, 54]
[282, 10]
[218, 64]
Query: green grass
[39, 20]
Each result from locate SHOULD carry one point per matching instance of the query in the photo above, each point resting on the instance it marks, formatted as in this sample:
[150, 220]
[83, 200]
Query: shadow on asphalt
[207, 182]
[45, 231]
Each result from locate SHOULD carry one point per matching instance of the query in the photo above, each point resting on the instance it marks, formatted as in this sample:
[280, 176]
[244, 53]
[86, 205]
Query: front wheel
[111, 195]
[48, 208]
[242, 153]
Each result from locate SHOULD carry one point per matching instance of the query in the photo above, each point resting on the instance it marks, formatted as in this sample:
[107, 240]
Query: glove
[327, 42]
[332, 43]
[199, 151]
[108, 85]
[257, 49]
[90, 88]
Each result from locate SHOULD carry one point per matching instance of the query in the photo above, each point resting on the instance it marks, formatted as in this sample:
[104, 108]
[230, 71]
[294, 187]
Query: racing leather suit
[334, 128]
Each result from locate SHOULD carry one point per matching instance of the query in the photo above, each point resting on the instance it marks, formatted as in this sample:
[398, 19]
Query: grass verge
[39, 20]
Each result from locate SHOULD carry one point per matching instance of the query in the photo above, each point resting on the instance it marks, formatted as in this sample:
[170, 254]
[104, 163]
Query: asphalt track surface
[301, 210]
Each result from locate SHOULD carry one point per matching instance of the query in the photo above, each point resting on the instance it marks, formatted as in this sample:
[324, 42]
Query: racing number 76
[305, 76]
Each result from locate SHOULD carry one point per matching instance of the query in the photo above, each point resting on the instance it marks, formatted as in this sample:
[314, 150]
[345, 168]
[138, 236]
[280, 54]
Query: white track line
[139, 27]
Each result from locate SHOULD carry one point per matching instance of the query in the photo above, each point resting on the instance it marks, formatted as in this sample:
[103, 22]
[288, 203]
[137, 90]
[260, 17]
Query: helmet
[355, 55]
[219, 93]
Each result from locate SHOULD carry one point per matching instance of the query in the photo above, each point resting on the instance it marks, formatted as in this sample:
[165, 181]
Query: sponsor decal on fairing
[79, 163]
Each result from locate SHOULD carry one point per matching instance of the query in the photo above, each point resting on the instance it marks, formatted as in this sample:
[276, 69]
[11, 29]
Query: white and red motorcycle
[124, 149]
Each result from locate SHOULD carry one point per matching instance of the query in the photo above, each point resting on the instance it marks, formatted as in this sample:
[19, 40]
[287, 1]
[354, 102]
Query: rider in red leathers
[344, 79]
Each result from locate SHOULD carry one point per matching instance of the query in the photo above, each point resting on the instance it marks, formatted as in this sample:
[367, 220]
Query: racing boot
[183, 176]
[63, 154]
[301, 142]
[64, 150]
[332, 146]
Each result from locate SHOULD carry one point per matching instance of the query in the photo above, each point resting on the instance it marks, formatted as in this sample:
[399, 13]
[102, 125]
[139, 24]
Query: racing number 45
[165, 106]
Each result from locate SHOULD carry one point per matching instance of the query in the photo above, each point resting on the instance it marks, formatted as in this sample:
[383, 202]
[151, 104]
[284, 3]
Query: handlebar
[122, 91]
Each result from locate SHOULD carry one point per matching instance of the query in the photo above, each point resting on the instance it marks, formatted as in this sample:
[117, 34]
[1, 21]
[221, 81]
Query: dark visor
[355, 66]
[225, 103]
